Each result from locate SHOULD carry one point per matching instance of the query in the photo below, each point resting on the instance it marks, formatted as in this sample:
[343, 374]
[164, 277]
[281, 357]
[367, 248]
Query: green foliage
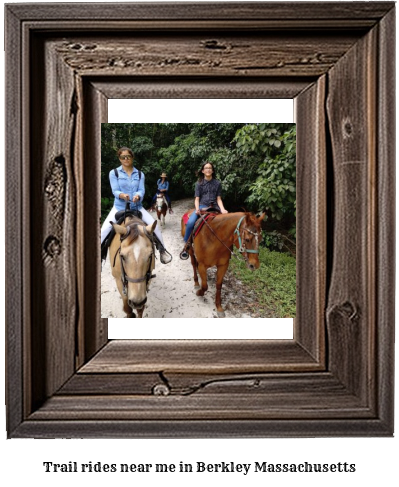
[141, 145]
[274, 283]
[274, 146]
[182, 159]
[254, 162]
[272, 240]
[106, 205]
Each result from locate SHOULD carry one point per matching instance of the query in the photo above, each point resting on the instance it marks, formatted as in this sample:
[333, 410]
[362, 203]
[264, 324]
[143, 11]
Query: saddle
[201, 221]
[186, 215]
[119, 217]
[206, 215]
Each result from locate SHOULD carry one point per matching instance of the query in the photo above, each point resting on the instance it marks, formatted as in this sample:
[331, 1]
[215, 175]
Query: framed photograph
[65, 378]
[240, 155]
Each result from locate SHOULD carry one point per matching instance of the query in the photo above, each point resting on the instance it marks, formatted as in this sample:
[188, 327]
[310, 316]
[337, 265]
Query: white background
[376, 459]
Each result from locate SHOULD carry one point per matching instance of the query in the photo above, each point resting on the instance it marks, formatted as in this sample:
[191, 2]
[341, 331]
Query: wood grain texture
[200, 356]
[238, 55]
[185, 384]
[203, 407]
[54, 235]
[17, 250]
[311, 198]
[351, 108]
[359, 13]
[385, 245]
[311, 218]
[192, 428]
[133, 87]
[94, 330]
[71, 382]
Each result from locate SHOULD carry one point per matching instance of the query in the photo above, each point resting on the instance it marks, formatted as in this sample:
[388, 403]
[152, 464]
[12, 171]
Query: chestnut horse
[161, 207]
[132, 259]
[213, 246]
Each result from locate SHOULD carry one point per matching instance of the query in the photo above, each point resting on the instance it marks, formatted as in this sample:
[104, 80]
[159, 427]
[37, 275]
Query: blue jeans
[191, 222]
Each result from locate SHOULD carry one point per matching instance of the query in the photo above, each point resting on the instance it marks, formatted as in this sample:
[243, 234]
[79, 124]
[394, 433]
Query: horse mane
[252, 222]
[134, 225]
[251, 219]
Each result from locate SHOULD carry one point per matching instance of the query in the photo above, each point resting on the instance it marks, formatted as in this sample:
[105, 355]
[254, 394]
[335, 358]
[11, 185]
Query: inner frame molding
[64, 378]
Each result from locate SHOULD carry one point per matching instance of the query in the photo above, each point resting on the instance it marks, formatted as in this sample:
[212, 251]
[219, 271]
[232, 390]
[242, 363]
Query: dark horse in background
[161, 206]
[213, 246]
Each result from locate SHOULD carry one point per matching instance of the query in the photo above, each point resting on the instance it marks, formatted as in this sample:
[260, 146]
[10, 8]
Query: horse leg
[204, 280]
[194, 264]
[221, 271]
[127, 309]
[140, 312]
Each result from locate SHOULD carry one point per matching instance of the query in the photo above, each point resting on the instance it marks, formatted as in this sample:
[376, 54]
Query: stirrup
[184, 255]
[165, 256]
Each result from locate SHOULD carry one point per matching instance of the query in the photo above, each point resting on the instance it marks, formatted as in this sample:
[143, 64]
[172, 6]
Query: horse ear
[262, 216]
[119, 229]
[150, 228]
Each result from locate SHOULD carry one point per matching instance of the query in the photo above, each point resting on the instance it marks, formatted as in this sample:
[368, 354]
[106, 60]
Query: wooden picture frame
[63, 62]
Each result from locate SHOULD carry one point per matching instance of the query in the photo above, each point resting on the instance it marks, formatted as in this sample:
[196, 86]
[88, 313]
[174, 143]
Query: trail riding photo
[233, 218]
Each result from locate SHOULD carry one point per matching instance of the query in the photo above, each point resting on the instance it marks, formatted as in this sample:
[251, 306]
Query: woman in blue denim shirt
[162, 188]
[128, 185]
[208, 191]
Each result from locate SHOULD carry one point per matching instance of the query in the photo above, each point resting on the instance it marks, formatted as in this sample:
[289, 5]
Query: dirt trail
[171, 293]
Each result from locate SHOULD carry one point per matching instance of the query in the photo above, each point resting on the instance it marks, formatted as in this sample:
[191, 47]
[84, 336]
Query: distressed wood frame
[63, 62]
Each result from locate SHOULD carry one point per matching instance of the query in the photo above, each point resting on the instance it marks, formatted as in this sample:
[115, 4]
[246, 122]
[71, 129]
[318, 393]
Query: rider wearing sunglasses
[128, 184]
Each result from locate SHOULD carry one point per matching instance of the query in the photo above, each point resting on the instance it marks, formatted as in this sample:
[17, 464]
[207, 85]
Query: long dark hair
[201, 174]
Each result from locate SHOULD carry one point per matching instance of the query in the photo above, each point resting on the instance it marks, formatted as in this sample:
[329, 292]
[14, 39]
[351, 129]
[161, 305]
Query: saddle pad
[201, 221]
[186, 216]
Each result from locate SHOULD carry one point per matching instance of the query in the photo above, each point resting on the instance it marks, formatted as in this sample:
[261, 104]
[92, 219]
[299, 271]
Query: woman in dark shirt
[208, 192]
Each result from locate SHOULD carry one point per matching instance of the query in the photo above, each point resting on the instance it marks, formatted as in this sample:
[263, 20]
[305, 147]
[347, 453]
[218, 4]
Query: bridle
[242, 248]
[148, 275]
[159, 206]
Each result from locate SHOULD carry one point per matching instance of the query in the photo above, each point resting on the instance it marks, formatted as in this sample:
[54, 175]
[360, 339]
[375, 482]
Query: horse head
[160, 201]
[136, 262]
[251, 236]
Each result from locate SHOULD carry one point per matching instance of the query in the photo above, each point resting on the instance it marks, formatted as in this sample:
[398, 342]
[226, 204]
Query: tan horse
[213, 246]
[132, 261]
[161, 207]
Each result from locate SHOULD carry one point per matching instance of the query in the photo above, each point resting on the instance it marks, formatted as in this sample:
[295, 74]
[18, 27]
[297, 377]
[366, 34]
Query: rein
[128, 208]
[242, 249]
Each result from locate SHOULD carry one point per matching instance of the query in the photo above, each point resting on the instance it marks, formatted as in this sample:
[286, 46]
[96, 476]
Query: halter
[159, 207]
[242, 249]
[148, 275]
